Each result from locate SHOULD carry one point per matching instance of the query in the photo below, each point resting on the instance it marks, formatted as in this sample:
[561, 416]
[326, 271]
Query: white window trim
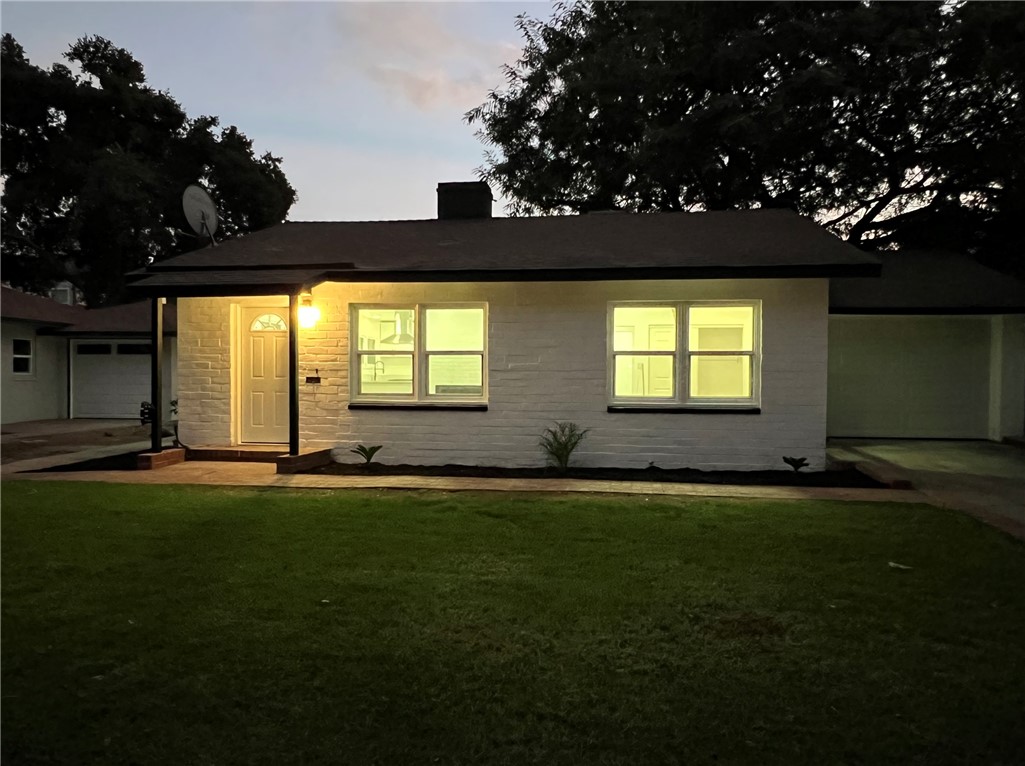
[31, 356]
[420, 355]
[681, 358]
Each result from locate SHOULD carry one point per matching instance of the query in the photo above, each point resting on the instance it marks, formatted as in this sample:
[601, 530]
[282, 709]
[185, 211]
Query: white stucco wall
[1007, 377]
[546, 362]
[42, 395]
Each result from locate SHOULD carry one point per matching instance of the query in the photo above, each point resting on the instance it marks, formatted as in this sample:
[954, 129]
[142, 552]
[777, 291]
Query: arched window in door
[268, 323]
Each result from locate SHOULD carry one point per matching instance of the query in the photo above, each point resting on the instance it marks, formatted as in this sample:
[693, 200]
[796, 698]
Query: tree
[895, 124]
[94, 165]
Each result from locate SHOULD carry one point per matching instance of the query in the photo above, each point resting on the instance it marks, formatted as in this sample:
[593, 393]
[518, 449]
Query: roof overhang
[220, 283]
[246, 282]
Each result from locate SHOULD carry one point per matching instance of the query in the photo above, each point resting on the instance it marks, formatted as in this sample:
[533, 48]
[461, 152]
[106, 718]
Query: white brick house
[685, 339]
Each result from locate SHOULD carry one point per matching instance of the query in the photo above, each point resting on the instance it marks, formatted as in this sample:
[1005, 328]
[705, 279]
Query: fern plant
[559, 441]
[367, 453]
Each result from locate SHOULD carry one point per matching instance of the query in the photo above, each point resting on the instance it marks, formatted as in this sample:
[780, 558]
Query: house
[62, 361]
[34, 382]
[679, 339]
[935, 348]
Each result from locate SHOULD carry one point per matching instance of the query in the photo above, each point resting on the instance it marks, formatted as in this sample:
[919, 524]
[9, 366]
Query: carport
[935, 348]
[108, 361]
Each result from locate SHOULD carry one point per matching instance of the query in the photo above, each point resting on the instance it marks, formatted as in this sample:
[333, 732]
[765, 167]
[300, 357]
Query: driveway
[42, 438]
[983, 479]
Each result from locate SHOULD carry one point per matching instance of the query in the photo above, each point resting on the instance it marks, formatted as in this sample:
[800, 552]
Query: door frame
[237, 331]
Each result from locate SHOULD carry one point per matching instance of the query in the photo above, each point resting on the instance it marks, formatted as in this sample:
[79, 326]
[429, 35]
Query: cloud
[424, 54]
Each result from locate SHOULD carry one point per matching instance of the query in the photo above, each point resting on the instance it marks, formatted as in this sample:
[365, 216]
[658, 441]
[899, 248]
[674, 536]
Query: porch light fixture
[309, 314]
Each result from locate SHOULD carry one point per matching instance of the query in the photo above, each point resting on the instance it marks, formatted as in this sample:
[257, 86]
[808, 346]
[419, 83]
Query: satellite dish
[200, 211]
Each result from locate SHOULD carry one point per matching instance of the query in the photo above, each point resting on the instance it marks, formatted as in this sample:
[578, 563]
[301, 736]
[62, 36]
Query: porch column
[156, 373]
[293, 374]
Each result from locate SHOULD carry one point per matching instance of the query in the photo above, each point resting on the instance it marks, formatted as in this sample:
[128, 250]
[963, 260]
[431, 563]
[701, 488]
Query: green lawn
[179, 625]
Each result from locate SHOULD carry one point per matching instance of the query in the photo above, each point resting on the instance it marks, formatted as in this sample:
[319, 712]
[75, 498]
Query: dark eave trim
[208, 290]
[418, 406]
[685, 410]
[202, 288]
[48, 323]
[170, 268]
[926, 310]
[131, 334]
[609, 275]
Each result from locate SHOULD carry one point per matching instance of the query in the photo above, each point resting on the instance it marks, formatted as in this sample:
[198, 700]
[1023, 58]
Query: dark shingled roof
[928, 282]
[747, 243]
[14, 304]
[127, 319]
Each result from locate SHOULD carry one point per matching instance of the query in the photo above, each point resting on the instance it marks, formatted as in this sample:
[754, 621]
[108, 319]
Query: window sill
[442, 406]
[685, 410]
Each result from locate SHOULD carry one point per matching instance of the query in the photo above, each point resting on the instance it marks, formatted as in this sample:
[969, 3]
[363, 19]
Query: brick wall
[546, 362]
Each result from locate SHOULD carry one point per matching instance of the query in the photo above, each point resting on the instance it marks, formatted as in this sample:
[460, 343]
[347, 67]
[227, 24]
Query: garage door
[909, 377]
[110, 378]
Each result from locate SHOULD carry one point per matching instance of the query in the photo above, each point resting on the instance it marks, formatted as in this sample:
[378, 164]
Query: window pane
[455, 374]
[643, 376]
[722, 328]
[93, 348]
[455, 329]
[268, 323]
[21, 364]
[720, 377]
[644, 328]
[386, 374]
[134, 348]
[390, 329]
[22, 347]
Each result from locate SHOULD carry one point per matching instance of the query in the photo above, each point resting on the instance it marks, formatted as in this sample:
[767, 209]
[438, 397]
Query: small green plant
[559, 441]
[797, 463]
[367, 453]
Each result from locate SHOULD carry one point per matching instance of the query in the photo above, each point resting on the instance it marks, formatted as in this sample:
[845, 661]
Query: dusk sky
[364, 101]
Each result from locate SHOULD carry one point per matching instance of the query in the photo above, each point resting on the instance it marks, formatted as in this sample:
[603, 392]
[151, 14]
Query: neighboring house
[70, 362]
[679, 339]
[933, 349]
[34, 382]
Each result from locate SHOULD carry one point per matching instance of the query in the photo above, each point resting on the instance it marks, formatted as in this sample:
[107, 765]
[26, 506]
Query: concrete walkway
[983, 479]
[263, 475]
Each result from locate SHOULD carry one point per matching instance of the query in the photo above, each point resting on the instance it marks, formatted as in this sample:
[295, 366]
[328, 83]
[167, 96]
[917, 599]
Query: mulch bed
[839, 478]
[848, 477]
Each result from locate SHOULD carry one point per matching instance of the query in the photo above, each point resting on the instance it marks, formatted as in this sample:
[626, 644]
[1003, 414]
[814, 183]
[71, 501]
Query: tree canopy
[94, 165]
[896, 124]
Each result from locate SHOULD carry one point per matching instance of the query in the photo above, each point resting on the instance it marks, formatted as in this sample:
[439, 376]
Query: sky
[363, 101]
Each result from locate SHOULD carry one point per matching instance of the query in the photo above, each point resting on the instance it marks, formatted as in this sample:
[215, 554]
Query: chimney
[464, 199]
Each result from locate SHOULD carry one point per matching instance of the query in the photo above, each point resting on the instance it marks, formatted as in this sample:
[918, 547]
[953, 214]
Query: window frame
[421, 357]
[31, 356]
[681, 356]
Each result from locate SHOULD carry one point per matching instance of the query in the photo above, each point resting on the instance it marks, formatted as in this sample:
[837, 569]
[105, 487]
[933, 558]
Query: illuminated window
[21, 362]
[419, 353]
[685, 353]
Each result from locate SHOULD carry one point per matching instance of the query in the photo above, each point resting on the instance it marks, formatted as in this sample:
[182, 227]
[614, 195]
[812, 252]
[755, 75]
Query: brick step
[236, 454]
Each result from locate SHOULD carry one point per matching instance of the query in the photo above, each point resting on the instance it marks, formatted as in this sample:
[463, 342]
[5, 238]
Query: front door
[264, 376]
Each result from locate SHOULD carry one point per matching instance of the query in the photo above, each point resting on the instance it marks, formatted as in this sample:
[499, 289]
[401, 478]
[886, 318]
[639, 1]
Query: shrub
[367, 453]
[797, 463]
[559, 442]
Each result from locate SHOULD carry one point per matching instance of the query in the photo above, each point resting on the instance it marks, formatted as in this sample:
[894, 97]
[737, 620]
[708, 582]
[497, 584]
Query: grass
[183, 625]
